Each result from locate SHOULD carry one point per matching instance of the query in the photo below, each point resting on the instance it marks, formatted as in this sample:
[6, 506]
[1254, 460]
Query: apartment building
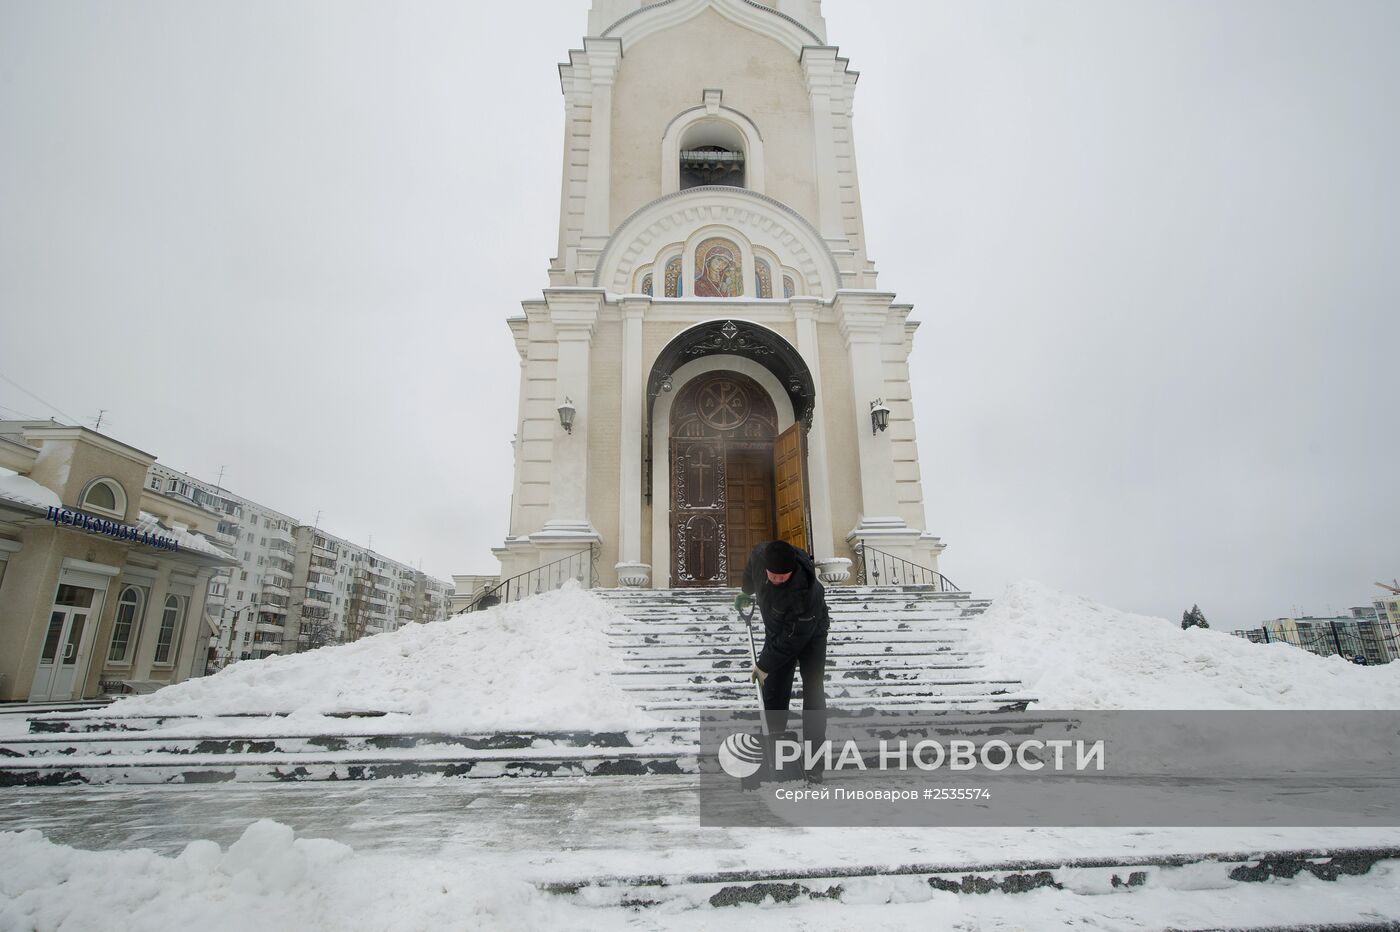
[295, 587]
[346, 591]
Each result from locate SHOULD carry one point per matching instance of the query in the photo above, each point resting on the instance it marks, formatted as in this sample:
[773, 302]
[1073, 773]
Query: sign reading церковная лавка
[63, 517]
[1093, 768]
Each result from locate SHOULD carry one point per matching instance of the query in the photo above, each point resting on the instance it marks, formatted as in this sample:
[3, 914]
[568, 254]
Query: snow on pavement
[543, 663]
[1072, 653]
[269, 879]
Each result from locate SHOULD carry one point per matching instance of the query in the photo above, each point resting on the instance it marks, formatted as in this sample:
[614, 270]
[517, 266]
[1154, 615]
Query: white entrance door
[62, 659]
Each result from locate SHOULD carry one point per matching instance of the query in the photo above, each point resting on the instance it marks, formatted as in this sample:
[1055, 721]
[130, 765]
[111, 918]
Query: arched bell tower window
[711, 165]
[711, 145]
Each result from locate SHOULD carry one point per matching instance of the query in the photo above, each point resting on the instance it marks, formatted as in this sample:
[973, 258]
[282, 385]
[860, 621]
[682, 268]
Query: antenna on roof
[100, 413]
[219, 482]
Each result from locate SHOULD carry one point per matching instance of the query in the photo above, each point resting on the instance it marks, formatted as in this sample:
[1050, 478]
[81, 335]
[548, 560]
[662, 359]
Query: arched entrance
[728, 403]
[723, 502]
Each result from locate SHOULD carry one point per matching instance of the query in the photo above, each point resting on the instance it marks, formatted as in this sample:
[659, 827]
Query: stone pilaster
[631, 572]
[804, 312]
[861, 316]
[573, 314]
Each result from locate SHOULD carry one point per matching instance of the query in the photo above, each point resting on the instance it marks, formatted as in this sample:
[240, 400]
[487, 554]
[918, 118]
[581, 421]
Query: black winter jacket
[793, 613]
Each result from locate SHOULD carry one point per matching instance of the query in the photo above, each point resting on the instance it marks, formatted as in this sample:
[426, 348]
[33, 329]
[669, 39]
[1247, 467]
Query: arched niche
[711, 124]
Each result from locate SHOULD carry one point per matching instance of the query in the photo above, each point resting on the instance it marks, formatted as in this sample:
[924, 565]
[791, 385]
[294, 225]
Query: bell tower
[712, 363]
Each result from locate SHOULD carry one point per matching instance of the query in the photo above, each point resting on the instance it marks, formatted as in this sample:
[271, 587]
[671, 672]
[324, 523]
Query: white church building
[712, 364]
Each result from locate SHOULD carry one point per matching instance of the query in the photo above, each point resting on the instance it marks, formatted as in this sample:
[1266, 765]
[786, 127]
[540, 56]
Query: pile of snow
[268, 879]
[541, 663]
[271, 880]
[26, 491]
[1072, 653]
[182, 535]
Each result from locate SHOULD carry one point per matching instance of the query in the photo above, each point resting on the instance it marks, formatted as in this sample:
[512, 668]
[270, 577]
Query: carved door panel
[750, 505]
[791, 488]
[700, 552]
[721, 468]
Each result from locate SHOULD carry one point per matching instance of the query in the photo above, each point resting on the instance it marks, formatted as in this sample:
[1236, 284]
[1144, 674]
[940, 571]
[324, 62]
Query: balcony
[271, 588]
[316, 595]
[268, 627]
[271, 608]
[277, 534]
[223, 538]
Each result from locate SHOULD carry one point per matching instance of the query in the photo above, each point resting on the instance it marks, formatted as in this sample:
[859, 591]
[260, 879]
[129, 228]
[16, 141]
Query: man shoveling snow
[784, 582]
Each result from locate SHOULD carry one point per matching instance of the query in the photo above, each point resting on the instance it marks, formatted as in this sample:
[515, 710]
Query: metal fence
[1362, 642]
[582, 566]
[877, 568]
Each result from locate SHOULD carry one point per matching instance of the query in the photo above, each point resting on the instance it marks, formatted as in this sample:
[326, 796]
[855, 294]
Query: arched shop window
[128, 610]
[170, 618]
[106, 496]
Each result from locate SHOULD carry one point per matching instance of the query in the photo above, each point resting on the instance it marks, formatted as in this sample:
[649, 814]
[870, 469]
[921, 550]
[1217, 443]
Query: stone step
[727, 593]
[258, 741]
[153, 768]
[693, 665]
[839, 651]
[847, 693]
[890, 883]
[899, 609]
[868, 627]
[688, 709]
[892, 609]
[834, 639]
[738, 674]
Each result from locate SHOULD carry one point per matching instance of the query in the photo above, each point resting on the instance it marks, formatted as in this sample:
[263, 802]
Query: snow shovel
[753, 652]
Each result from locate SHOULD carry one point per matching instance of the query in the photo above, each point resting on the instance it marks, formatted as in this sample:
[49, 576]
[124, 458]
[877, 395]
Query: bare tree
[315, 632]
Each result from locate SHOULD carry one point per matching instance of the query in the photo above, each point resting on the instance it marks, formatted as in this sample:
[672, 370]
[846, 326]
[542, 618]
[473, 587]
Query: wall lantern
[879, 416]
[566, 415]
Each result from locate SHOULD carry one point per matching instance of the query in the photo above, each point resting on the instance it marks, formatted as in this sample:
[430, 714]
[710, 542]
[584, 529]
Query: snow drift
[268, 879]
[1076, 654]
[542, 663]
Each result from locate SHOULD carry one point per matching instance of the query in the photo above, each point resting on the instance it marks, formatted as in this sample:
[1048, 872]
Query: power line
[41, 401]
[20, 414]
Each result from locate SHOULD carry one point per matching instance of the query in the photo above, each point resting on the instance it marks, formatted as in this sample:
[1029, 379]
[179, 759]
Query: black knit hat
[779, 557]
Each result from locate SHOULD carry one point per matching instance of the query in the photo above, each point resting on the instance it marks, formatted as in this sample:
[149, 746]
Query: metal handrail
[876, 565]
[540, 579]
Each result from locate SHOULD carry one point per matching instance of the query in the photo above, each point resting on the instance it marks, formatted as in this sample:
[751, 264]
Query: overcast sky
[1153, 246]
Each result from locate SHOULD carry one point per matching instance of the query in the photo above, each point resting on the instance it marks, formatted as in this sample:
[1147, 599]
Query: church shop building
[102, 586]
[713, 364]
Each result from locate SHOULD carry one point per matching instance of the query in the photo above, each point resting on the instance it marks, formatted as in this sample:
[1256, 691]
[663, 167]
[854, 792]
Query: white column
[574, 314]
[804, 311]
[631, 572]
[861, 317]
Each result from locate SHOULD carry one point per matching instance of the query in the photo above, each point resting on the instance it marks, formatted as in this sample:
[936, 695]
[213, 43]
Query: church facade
[712, 364]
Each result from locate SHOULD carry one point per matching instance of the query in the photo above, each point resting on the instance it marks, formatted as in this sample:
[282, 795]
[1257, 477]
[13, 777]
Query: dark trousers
[777, 692]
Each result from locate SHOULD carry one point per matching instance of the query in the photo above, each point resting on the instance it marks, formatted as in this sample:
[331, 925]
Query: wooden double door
[735, 480]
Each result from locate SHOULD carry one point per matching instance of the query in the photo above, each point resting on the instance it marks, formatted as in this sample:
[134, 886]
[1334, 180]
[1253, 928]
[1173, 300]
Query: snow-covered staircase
[681, 651]
[888, 647]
